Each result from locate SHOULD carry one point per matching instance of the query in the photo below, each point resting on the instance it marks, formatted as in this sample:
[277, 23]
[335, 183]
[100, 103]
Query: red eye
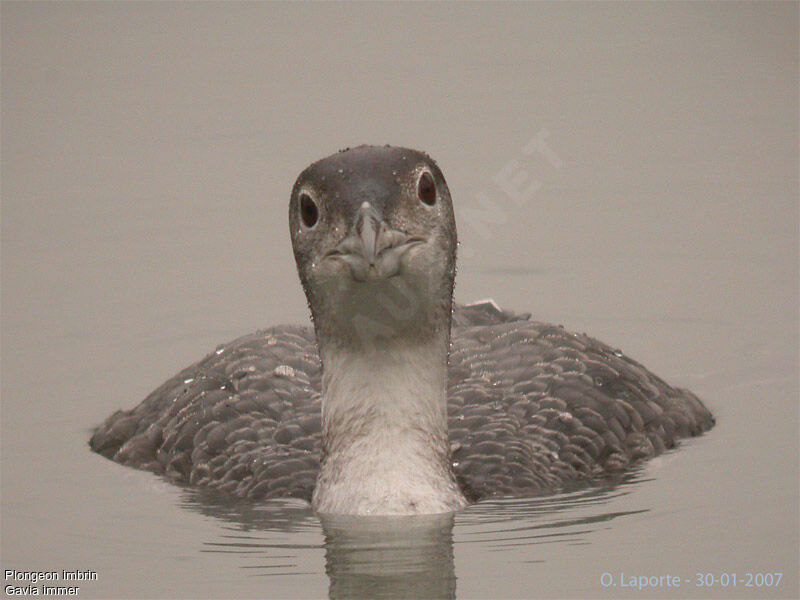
[309, 213]
[426, 189]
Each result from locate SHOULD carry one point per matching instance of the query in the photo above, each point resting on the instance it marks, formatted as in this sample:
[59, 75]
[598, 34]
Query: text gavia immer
[389, 409]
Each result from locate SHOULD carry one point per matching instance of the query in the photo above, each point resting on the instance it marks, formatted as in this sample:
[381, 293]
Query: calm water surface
[626, 170]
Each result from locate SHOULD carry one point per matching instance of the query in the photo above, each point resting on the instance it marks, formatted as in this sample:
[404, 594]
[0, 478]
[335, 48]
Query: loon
[398, 401]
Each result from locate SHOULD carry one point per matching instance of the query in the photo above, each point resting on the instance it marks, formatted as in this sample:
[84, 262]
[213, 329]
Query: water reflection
[401, 557]
[567, 518]
[287, 515]
[390, 557]
[274, 538]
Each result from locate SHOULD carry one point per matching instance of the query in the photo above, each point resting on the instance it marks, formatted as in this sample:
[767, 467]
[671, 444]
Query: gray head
[374, 239]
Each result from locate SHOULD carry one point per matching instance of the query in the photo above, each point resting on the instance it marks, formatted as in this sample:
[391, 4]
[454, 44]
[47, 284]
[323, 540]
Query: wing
[245, 419]
[533, 407]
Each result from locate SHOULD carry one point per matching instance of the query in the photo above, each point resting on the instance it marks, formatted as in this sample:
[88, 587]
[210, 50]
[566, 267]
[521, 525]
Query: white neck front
[384, 430]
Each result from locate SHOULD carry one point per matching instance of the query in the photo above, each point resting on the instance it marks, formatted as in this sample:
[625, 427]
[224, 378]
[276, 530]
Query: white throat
[384, 430]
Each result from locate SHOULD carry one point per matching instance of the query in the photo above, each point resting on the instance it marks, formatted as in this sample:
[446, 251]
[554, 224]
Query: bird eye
[426, 189]
[309, 213]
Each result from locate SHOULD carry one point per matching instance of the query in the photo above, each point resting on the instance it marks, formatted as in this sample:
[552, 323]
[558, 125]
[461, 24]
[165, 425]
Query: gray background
[148, 151]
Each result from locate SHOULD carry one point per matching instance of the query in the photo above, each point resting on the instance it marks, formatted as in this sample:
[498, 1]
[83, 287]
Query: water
[628, 171]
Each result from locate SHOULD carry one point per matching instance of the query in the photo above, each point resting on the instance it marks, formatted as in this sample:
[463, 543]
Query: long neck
[384, 428]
